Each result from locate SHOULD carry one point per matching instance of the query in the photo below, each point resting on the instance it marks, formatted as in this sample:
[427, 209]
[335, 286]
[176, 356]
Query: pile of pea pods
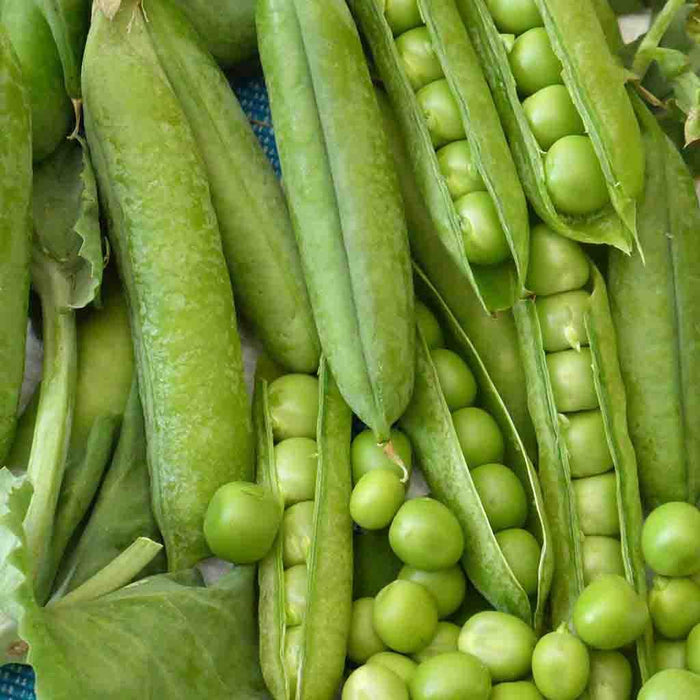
[465, 462]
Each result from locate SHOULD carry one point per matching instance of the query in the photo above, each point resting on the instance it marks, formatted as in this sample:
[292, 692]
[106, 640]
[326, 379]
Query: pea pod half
[655, 310]
[568, 118]
[306, 660]
[458, 151]
[447, 470]
[577, 402]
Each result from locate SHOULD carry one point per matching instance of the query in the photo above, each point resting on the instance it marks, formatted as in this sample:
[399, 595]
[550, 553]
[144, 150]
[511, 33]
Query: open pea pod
[596, 87]
[308, 663]
[656, 310]
[497, 279]
[555, 465]
[430, 427]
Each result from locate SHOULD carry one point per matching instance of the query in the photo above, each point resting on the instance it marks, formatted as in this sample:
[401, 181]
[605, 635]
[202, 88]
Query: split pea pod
[656, 315]
[569, 120]
[15, 235]
[577, 400]
[163, 228]
[256, 230]
[345, 202]
[458, 151]
[303, 425]
[469, 452]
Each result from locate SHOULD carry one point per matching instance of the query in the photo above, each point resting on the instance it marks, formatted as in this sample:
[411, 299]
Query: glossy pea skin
[551, 114]
[522, 552]
[514, 16]
[479, 436]
[502, 495]
[296, 581]
[429, 327]
[296, 463]
[693, 650]
[405, 616]
[441, 113]
[610, 677]
[571, 377]
[293, 402]
[459, 169]
[484, 240]
[456, 379]
[533, 62]
[403, 666]
[560, 666]
[376, 498]
[557, 264]
[586, 443]
[453, 675]
[517, 690]
[574, 177]
[601, 555]
[674, 604]
[502, 642]
[670, 541]
[447, 586]
[609, 613]
[297, 533]
[670, 654]
[418, 58]
[596, 503]
[366, 455]
[426, 534]
[444, 641]
[402, 15]
[374, 681]
[561, 318]
[671, 684]
[363, 641]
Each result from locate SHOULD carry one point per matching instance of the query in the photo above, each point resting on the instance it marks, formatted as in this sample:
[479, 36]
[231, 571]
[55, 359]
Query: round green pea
[674, 604]
[296, 582]
[586, 443]
[451, 675]
[403, 666]
[297, 533]
[601, 555]
[402, 15]
[418, 58]
[447, 586]
[670, 541]
[456, 379]
[366, 455]
[671, 684]
[574, 177]
[429, 326]
[296, 464]
[444, 641]
[479, 436]
[611, 675]
[596, 503]
[516, 690]
[459, 169]
[533, 62]
[571, 378]
[485, 242]
[293, 402]
[514, 16]
[693, 650]
[441, 113]
[560, 666]
[561, 318]
[363, 641]
[376, 498]
[374, 681]
[552, 115]
[522, 552]
[670, 654]
[502, 495]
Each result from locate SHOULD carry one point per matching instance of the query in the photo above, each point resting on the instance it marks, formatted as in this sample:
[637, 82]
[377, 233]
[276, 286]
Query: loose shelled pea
[670, 539]
[363, 640]
[611, 675]
[374, 681]
[522, 552]
[448, 586]
[444, 641]
[560, 665]
[516, 690]
[674, 604]
[401, 665]
[671, 684]
[376, 498]
[452, 675]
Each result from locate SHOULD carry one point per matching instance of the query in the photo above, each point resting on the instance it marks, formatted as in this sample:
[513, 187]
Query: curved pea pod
[497, 286]
[15, 235]
[256, 231]
[554, 461]
[656, 312]
[345, 202]
[596, 85]
[163, 228]
[429, 425]
[319, 643]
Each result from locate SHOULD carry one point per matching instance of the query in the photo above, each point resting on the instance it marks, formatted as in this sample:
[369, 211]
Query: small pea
[363, 641]
[297, 533]
[587, 443]
[402, 666]
[522, 552]
[596, 503]
[561, 665]
[429, 326]
[502, 495]
[671, 684]
[670, 541]
[418, 58]
[376, 498]
[459, 169]
[366, 455]
[533, 62]
[479, 436]
[674, 604]
[296, 582]
[516, 690]
[293, 401]
[374, 681]
[444, 641]
[402, 15]
[447, 586]
[552, 115]
[601, 555]
[441, 113]
[296, 464]
[456, 379]
[452, 675]
[561, 318]
[571, 377]
[485, 243]
[514, 16]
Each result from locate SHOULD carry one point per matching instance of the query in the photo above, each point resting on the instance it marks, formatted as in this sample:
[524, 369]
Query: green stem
[645, 51]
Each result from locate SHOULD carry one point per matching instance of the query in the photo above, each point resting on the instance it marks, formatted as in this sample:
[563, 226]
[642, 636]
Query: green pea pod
[168, 248]
[655, 309]
[554, 463]
[596, 85]
[497, 286]
[345, 202]
[324, 630]
[15, 235]
[429, 425]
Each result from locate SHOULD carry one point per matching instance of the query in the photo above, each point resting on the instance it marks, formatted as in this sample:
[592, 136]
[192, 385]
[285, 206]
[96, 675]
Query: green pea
[611, 676]
[403, 666]
[693, 650]
[452, 675]
[363, 641]
[374, 681]
[297, 533]
[479, 436]
[516, 690]
[552, 115]
[405, 616]
[293, 400]
[456, 379]
[671, 684]
[461, 173]
[560, 666]
[586, 443]
[670, 541]
[425, 534]
[376, 498]
[429, 326]
[366, 455]
[596, 503]
[502, 495]
[402, 15]
[522, 552]
[670, 654]
[418, 58]
[609, 613]
[447, 586]
[557, 264]
[574, 177]
[444, 641]
[293, 649]
[296, 582]
[601, 555]
[514, 16]
[561, 318]
[674, 604]
[484, 240]
[533, 62]
[441, 113]
[502, 642]
[571, 376]
[296, 463]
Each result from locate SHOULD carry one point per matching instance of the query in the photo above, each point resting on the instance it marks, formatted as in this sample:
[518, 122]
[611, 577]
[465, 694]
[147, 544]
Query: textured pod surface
[164, 230]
